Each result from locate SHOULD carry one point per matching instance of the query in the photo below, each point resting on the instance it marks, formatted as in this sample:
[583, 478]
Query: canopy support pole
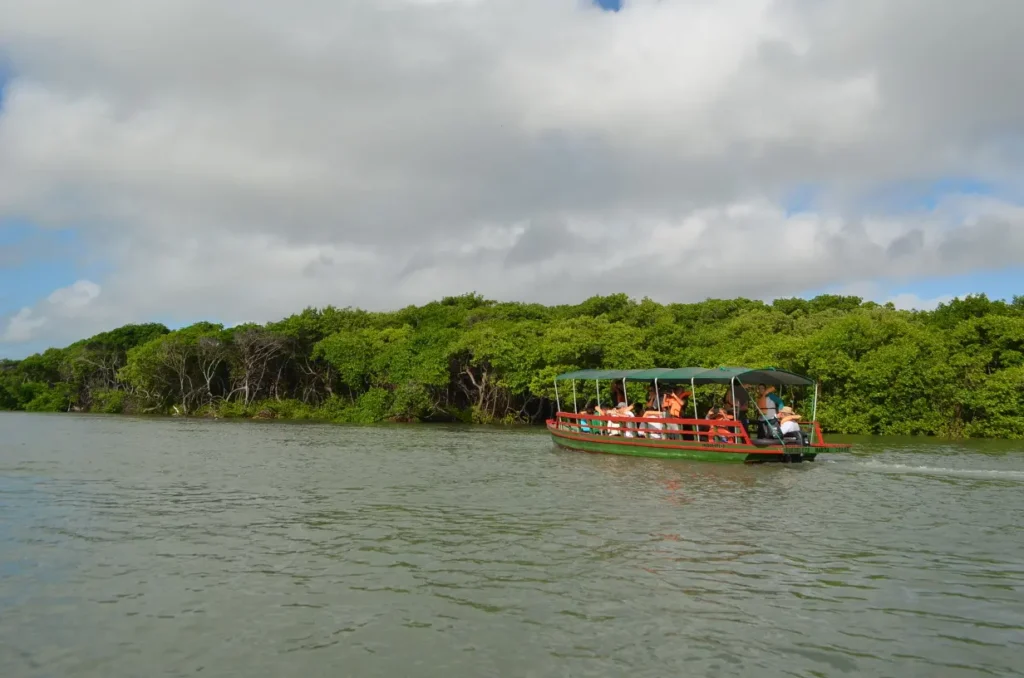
[575, 407]
[693, 394]
[625, 393]
[814, 412]
[735, 410]
[558, 403]
[657, 396]
[597, 385]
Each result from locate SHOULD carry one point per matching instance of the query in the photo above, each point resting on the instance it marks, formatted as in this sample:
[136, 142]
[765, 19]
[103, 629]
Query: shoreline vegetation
[957, 371]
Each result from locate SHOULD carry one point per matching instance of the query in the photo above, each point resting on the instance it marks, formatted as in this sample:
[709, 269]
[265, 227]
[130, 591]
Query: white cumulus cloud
[223, 159]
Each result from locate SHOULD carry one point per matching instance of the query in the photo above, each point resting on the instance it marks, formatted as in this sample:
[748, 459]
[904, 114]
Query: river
[162, 547]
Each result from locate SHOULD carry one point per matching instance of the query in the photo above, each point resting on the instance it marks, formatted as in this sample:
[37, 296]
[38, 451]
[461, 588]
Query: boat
[696, 438]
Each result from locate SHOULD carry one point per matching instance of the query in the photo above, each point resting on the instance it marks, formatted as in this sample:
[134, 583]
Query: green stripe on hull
[663, 449]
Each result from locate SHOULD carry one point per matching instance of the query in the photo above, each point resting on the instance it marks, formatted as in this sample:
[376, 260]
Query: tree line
[956, 371]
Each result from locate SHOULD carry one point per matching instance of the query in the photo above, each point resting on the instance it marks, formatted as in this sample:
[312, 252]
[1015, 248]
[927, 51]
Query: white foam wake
[943, 470]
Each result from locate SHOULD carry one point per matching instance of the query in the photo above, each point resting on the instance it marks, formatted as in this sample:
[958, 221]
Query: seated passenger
[585, 424]
[600, 426]
[721, 434]
[612, 427]
[789, 426]
[656, 425]
[624, 410]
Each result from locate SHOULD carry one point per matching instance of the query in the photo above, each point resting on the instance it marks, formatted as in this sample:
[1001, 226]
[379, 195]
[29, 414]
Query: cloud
[250, 159]
[62, 305]
[21, 326]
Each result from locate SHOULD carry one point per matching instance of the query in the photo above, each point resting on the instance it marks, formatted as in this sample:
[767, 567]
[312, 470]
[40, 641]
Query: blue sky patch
[998, 284]
[927, 194]
[1002, 284]
[611, 5]
[34, 262]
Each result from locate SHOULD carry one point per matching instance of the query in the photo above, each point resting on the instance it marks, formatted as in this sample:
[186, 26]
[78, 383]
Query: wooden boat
[693, 438]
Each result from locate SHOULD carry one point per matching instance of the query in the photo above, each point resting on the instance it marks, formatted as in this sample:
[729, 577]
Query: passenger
[703, 431]
[769, 404]
[684, 396]
[652, 397]
[601, 426]
[585, 423]
[656, 425]
[672, 405]
[624, 410]
[789, 426]
[612, 428]
[721, 434]
[618, 393]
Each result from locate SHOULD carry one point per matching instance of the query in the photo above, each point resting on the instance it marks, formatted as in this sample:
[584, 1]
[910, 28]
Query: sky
[239, 161]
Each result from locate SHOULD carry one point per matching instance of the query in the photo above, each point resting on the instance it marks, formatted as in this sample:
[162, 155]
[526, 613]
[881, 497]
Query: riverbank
[332, 411]
[954, 372]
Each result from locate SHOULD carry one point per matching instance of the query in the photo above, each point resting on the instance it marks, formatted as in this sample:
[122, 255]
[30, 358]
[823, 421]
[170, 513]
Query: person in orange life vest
[721, 434]
[769, 403]
[673, 404]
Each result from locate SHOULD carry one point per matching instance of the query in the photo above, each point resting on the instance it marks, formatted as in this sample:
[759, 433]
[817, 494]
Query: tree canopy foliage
[954, 371]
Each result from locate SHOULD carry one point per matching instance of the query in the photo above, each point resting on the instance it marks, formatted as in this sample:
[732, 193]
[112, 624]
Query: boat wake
[883, 467]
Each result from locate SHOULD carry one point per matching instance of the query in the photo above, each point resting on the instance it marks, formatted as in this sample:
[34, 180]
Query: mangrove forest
[956, 371]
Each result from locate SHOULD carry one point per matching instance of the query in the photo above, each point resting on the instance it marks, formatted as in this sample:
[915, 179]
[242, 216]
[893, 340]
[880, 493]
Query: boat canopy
[665, 374]
[746, 375]
[695, 375]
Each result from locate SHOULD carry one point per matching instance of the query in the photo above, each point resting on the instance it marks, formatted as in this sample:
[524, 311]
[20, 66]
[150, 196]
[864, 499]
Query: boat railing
[709, 431]
[700, 430]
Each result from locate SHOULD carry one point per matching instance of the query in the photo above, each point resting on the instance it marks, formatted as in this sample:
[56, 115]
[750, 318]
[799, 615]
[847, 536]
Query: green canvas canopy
[666, 374]
[698, 375]
[752, 376]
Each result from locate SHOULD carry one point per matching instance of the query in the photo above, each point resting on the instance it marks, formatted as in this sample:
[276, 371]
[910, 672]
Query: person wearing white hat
[789, 421]
[789, 426]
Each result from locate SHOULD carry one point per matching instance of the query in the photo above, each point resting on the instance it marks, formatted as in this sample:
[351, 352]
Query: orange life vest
[722, 431]
[673, 404]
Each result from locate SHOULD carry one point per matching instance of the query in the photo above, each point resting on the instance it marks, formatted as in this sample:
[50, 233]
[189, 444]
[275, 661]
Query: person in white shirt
[624, 410]
[656, 425]
[789, 421]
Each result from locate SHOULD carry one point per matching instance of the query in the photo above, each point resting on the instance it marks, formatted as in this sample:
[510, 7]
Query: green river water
[135, 547]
